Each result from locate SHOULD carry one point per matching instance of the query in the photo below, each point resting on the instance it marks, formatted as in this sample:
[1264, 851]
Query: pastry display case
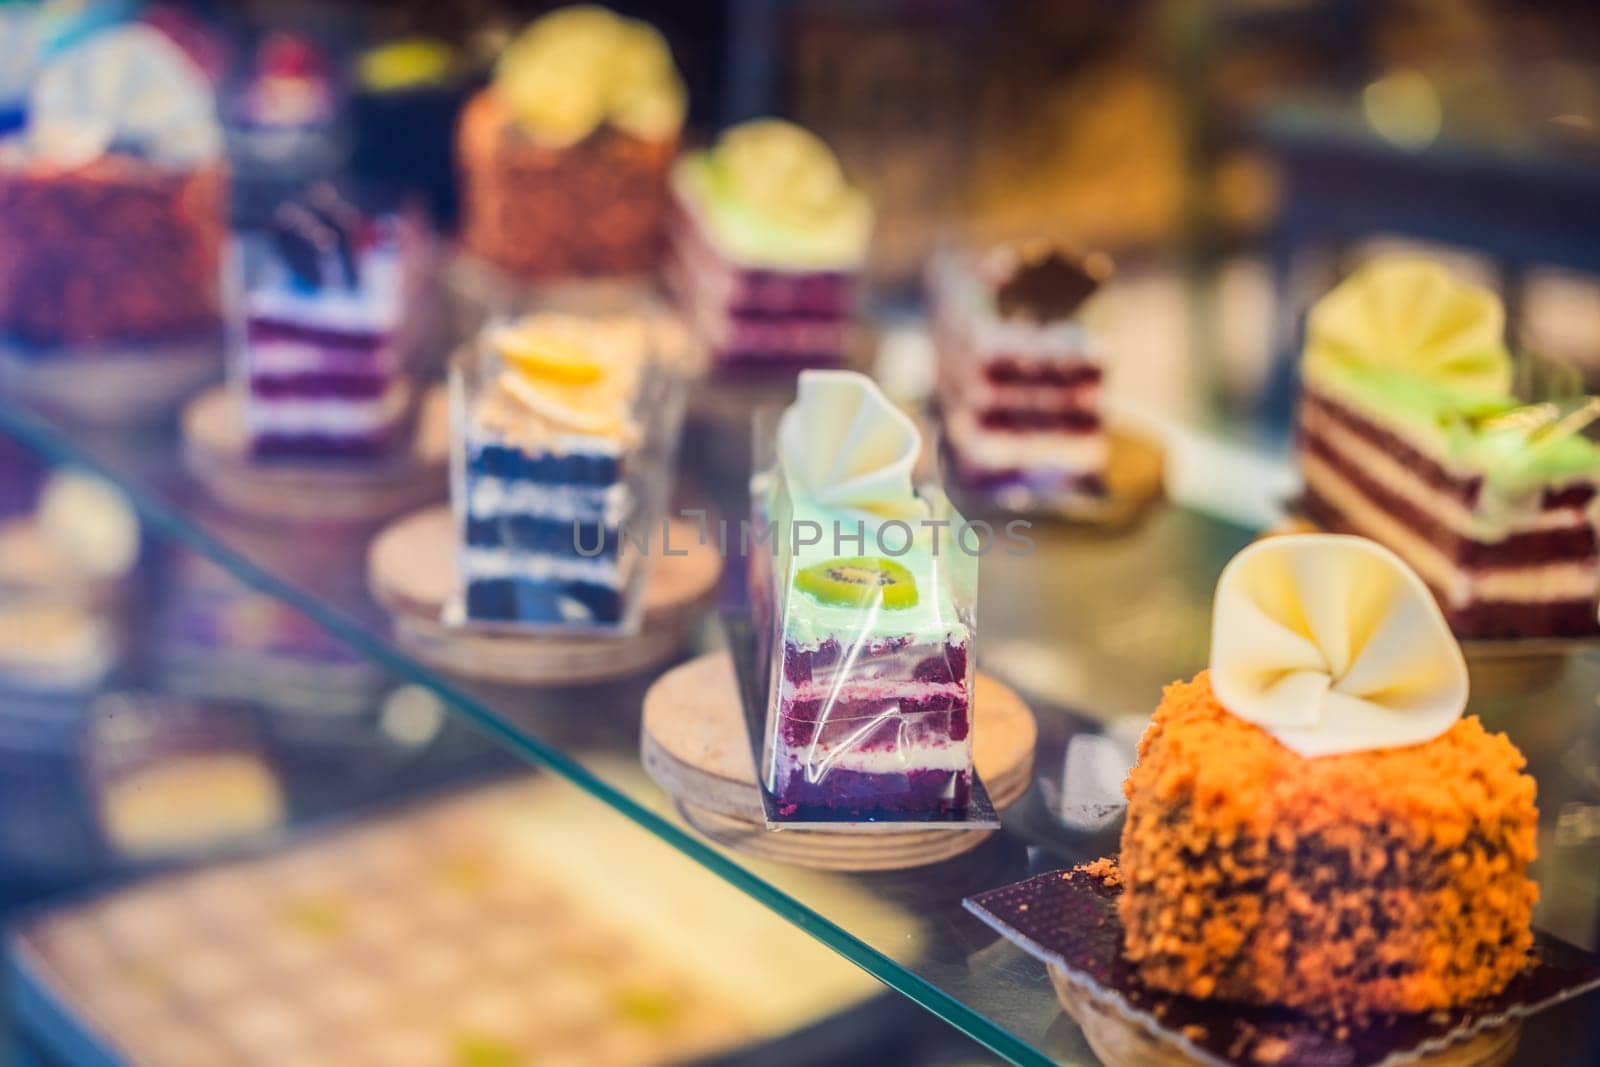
[1166, 736]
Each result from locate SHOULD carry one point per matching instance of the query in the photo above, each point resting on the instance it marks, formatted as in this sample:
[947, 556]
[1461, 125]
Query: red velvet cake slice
[1409, 434]
[1020, 375]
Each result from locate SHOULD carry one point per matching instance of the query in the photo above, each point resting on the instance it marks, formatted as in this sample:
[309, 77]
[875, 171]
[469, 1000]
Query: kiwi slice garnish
[859, 581]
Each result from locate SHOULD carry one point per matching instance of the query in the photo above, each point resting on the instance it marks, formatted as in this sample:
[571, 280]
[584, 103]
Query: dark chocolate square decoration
[1069, 920]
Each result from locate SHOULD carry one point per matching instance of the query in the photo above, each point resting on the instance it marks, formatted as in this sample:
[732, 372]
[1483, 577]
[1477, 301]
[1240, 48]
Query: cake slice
[1409, 434]
[768, 243]
[549, 433]
[868, 712]
[324, 375]
[1020, 375]
[564, 157]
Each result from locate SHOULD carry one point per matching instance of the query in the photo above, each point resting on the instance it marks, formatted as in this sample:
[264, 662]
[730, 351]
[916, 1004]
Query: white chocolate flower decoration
[844, 445]
[1332, 644]
[1413, 316]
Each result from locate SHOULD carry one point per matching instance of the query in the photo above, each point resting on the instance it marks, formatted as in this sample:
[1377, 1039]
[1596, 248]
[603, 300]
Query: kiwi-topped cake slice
[868, 716]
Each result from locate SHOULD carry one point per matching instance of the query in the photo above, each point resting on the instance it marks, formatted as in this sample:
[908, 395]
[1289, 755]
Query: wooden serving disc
[411, 569]
[693, 743]
[216, 450]
[1120, 1042]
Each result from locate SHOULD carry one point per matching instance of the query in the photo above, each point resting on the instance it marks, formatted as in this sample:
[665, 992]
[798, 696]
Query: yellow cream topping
[578, 68]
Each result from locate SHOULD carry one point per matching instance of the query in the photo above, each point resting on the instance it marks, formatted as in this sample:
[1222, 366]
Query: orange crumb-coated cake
[1378, 881]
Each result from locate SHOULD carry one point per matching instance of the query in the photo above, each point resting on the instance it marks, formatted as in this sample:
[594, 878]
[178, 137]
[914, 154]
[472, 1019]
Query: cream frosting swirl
[1333, 645]
[845, 446]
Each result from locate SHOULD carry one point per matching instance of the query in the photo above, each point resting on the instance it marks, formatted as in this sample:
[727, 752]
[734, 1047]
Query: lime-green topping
[407, 63]
[859, 581]
[648, 1009]
[1425, 350]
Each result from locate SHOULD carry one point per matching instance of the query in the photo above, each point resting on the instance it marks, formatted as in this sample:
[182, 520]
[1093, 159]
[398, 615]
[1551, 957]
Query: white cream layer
[292, 415]
[1028, 448]
[491, 497]
[815, 761]
[1531, 583]
[492, 563]
[1448, 510]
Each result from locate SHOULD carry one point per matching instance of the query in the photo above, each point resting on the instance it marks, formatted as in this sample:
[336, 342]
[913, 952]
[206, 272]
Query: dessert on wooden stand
[1323, 859]
[564, 157]
[1409, 433]
[556, 560]
[1021, 380]
[322, 417]
[855, 671]
[113, 202]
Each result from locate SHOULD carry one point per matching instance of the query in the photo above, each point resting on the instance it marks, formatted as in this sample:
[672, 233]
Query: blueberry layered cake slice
[868, 712]
[542, 492]
[323, 371]
[768, 245]
[1020, 374]
[1409, 434]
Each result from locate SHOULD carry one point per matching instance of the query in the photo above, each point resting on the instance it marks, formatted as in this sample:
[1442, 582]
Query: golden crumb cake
[1311, 823]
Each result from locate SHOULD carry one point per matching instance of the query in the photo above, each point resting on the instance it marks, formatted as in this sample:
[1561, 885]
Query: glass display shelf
[1089, 627]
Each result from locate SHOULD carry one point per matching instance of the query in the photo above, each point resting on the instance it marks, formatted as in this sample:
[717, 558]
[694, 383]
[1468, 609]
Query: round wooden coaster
[217, 452]
[411, 569]
[693, 743]
[113, 387]
[1119, 1042]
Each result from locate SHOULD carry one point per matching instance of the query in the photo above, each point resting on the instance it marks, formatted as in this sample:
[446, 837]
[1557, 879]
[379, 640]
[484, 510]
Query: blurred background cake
[769, 241]
[324, 370]
[1020, 373]
[113, 200]
[564, 157]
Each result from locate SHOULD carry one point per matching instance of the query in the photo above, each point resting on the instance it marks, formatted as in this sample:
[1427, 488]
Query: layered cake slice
[323, 372]
[564, 156]
[868, 711]
[768, 243]
[1312, 823]
[547, 437]
[1409, 434]
[1020, 374]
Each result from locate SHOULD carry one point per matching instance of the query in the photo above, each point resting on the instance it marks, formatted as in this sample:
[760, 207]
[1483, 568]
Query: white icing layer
[1033, 448]
[324, 415]
[1530, 583]
[491, 497]
[491, 563]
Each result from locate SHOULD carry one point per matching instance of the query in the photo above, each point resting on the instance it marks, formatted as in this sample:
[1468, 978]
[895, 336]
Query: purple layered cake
[1020, 375]
[768, 242]
[870, 669]
[323, 370]
[1409, 434]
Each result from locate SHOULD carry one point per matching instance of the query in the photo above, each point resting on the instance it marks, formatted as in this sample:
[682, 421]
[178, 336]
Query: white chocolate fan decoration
[844, 445]
[1333, 645]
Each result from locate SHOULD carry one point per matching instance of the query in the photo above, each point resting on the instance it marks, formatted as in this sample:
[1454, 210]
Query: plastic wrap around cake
[327, 292]
[564, 429]
[864, 604]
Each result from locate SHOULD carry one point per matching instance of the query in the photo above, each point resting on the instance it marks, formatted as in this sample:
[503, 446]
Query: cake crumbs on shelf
[1104, 869]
